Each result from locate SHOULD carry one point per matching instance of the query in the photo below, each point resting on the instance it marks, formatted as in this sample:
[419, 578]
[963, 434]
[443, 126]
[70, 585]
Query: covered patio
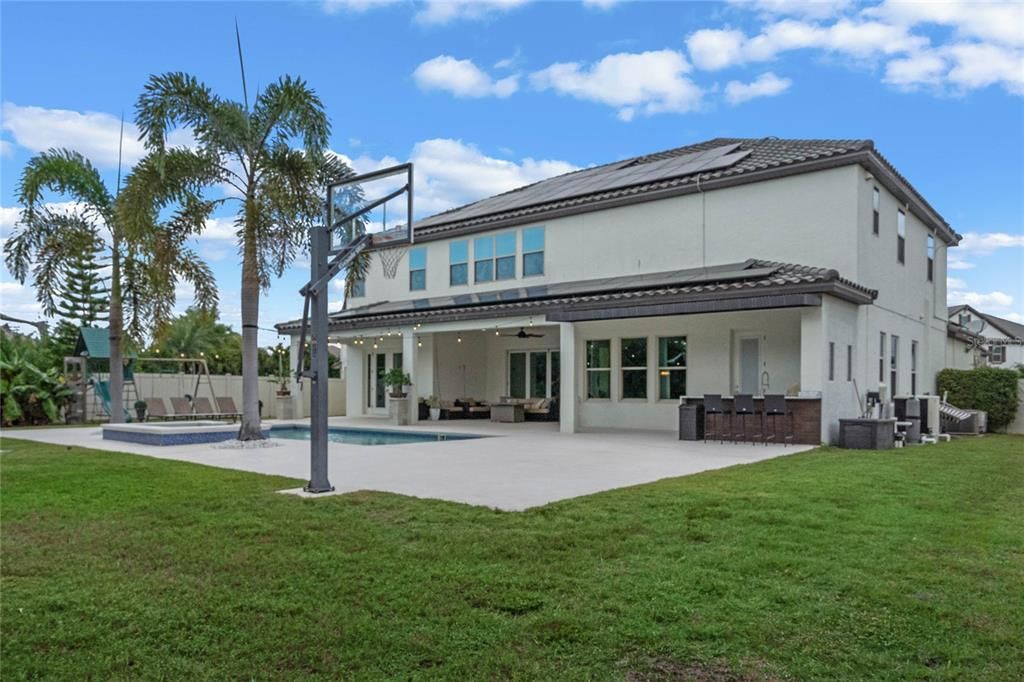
[617, 354]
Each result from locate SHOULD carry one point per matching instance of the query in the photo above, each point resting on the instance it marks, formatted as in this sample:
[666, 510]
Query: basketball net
[390, 258]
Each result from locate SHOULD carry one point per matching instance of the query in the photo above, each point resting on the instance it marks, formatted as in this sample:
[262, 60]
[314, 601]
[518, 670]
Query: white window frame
[645, 368]
[667, 368]
[608, 369]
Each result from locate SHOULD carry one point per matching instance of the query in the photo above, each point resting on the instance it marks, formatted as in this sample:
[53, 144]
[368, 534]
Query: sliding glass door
[533, 374]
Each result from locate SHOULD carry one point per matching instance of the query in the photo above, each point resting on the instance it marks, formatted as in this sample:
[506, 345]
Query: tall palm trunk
[250, 429]
[114, 324]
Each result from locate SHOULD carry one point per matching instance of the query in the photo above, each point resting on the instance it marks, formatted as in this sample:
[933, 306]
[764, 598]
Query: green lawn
[828, 564]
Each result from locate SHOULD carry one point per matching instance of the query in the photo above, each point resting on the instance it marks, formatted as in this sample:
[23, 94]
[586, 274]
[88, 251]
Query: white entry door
[750, 365]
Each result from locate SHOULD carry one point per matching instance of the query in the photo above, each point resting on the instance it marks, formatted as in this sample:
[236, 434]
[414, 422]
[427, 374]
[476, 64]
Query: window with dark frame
[358, 288]
[901, 236]
[505, 256]
[876, 205]
[931, 257]
[483, 259]
[913, 367]
[881, 358]
[458, 263]
[633, 363]
[894, 366]
[533, 251]
[849, 363]
[831, 361]
[671, 367]
[599, 369]
[997, 355]
[417, 269]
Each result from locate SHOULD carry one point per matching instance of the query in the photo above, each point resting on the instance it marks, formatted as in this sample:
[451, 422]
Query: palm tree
[146, 259]
[278, 188]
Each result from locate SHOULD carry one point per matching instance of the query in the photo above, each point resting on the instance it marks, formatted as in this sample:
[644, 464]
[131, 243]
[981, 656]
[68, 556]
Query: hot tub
[173, 433]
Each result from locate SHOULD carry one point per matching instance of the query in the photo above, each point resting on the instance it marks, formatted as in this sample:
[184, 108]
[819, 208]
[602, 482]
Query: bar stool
[775, 406]
[743, 407]
[714, 413]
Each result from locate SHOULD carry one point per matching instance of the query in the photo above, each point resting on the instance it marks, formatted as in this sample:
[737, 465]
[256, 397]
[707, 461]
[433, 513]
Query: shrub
[985, 388]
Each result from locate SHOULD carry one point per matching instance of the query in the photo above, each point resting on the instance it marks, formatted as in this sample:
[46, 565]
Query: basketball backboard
[378, 203]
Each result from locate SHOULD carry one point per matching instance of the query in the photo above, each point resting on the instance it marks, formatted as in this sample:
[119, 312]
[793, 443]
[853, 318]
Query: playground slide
[103, 391]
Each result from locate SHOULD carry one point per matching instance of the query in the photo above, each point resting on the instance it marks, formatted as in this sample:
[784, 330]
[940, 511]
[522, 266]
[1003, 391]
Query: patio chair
[744, 409]
[156, 409]
[541, 410]
[226, 407]
[203, 408]
[474, 409]
[714, 416]
[450, 410]
[182, 408]
[775, 406]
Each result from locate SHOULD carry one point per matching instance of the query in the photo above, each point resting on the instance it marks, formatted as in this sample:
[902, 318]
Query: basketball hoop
[390, 258]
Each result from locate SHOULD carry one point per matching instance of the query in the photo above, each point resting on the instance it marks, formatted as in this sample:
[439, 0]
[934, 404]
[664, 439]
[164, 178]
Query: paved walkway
[521, 466]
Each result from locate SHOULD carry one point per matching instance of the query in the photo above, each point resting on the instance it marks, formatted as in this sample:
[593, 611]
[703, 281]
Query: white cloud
[987, 242]
[335, 6]
[952, 284]
[647, 82]
[439, 12]
[713, 49]
[6, 149]
[811, 9]
[600, 4]
[451, 173]
[927, 67]
[462, 78]
[1000, 22]
[978, 66]
[989, 302]
[766, 85]
[93, 134]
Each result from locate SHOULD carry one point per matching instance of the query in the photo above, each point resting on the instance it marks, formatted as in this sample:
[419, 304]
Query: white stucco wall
[808, 219]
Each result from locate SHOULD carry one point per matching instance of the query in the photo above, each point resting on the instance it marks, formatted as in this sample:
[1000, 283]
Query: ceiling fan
[523, 334]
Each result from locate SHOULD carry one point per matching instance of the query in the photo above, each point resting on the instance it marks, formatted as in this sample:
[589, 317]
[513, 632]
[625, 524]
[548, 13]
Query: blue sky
[484, 97]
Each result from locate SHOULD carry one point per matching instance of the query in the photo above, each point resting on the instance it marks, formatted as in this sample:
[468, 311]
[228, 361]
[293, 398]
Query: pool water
[368, 436]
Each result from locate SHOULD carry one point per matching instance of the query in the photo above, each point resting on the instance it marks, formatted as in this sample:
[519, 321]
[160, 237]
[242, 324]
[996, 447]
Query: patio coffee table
[509, 413]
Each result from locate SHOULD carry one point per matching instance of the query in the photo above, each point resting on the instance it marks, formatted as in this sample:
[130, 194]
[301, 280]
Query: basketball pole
[320, 246]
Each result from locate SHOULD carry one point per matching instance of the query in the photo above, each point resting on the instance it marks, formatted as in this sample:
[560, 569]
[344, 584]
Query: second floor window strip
[901, 236]
[931, 257]
[458, 263]
[876, 205]
[417, 269]
[533, 251]
[483, 259]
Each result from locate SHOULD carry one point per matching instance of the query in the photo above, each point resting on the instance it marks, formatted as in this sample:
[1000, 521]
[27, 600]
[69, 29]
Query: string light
[460, 339]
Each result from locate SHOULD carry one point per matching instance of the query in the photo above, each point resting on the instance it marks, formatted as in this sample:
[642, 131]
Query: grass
[827, 564]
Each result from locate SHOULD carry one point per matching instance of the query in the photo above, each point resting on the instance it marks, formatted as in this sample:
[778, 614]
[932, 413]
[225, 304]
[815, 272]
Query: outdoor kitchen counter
[806, 417]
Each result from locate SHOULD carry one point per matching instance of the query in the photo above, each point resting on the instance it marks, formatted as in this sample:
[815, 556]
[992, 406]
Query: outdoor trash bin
[691, 422]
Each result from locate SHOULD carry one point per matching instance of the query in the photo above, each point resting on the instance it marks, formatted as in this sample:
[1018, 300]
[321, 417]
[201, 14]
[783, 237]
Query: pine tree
[84, 299]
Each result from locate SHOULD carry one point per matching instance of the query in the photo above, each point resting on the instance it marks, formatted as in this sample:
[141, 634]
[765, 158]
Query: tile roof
[753, 277]
[1012, 330]
[761, 158]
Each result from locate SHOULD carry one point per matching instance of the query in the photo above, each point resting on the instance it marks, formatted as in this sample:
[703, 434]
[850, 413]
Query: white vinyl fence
[1017, 425]
[169, 386]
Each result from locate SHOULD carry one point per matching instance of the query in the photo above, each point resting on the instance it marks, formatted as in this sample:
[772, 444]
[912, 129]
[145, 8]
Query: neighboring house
[806, 267]
[1003, 340]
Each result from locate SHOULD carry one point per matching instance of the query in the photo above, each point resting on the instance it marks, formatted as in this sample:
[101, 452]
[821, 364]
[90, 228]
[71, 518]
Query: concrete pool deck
[522, 466]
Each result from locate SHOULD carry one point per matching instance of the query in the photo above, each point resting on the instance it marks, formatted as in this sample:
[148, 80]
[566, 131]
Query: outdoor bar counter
[806, 417]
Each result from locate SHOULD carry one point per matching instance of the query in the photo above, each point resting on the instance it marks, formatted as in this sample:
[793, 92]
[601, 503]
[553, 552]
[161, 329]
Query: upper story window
[358, 289]
[997, 355]
[963, 319]
[417, 269]
[876, 206]
[505, 256]
[458, 262]
[913, 367]
[533, 251]
[931, 257]
[483, 259]
[881, 358]
[831, 360]
[901, 235]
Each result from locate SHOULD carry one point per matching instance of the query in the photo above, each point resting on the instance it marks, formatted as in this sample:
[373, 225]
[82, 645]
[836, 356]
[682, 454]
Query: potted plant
[140, 410]
[434, 403]
[397, 380]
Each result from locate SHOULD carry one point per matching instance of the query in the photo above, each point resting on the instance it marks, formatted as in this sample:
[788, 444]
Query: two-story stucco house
[810, 268]
[1003, 339]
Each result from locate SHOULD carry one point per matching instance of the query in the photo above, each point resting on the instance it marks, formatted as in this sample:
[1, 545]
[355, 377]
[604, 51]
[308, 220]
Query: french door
[377, 365]
[534, 374]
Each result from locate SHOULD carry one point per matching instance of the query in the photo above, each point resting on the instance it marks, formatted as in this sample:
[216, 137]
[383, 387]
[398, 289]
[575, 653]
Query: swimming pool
[369, 436]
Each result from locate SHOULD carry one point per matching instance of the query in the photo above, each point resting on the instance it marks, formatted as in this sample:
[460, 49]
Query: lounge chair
[474, 409]
[157, 409]
[203, 409]
[541, 409]
[182, 408]
[226, 407]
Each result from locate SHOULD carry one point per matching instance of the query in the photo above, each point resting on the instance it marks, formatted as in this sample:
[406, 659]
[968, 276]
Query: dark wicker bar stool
[714, 414]
[743, 408]
[775, 406]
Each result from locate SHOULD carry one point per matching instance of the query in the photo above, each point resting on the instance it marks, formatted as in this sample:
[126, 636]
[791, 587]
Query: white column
[294, 353]
[568, 419]
[409, 365]
[812, 349]
[354, 360]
